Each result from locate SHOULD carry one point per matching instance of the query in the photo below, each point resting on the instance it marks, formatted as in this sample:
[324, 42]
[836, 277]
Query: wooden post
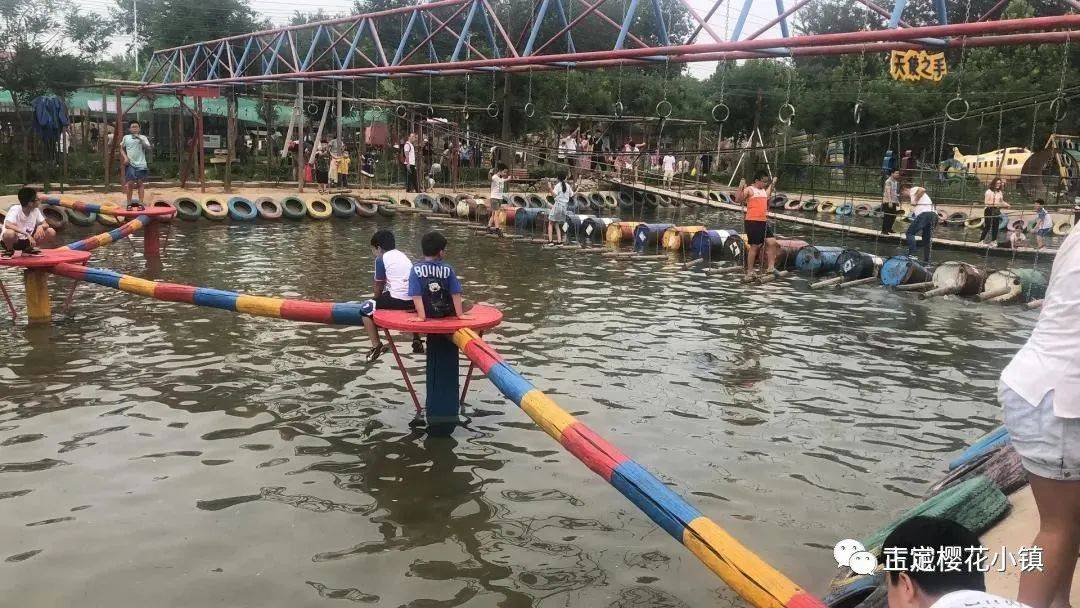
[267, 139]
[104, 137]
[182, 147]
[338, 115]
[300, 136]
[38, 309]
[230, 135]
[198, 144]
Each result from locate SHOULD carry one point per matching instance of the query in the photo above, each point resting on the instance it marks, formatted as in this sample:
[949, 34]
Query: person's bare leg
[372, 331]
[127, 191]
[751, 259]
[142, 192]
[772, 249]
[1059, 536]
[550, 229]
[9, 239]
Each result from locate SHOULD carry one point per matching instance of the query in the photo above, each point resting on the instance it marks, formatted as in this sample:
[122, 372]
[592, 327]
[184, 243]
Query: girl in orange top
[758, 231]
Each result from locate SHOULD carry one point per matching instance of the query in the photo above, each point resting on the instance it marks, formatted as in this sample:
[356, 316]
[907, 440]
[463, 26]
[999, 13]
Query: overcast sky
[279, 11]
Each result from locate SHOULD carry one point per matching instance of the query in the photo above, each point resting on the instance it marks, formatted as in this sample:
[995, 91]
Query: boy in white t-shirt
[669, 168]
[392, 268]
[25, 226]
[499, 176]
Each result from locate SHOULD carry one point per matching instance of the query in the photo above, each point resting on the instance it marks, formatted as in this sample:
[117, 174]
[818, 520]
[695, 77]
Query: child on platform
[433, 284]
[1044, 224]
[367, 169]
[392, 271]
[343, 170]
[557, 214]
[24, 226]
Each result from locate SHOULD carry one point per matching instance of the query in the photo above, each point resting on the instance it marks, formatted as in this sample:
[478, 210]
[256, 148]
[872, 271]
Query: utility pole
[135, 31]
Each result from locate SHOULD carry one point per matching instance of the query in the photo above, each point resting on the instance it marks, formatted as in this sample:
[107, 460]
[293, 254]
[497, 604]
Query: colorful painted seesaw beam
[751, 577]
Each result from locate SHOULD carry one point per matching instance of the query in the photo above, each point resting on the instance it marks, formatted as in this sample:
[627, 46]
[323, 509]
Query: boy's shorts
[1045, 232]
[386, 302]
[133, 174]
[495, 203]
[757, 232]
[1048, 445]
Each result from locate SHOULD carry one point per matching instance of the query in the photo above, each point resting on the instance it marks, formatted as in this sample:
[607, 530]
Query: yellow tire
[318, 209]
[1063, 228]
[213, 209]
[827, 207]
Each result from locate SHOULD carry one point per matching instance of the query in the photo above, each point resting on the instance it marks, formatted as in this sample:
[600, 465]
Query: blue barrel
[855, 264]
[648, 235]
[573, 225]
[709, 244]
[593, 228]
[901, 270]
[817, 260]
[525, 219]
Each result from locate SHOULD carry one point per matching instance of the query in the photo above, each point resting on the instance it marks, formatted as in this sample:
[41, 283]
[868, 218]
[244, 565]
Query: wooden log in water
[857, 282]
[1012, 295]
[725, 270]
[1035, 304]
[940, 291]
[989, 295]
[827, 282]
[915, 286]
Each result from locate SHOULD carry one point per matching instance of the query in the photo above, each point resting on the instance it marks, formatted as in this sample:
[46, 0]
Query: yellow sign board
[917, 65]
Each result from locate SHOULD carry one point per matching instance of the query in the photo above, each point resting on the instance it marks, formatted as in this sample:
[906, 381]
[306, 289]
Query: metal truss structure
[450, 37]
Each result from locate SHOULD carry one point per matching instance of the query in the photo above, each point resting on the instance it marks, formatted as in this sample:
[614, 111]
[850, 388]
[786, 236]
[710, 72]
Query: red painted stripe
[71, 271]
[482, 354]
[803, 599]
[299, 310]
[592, 449]
[172, 292]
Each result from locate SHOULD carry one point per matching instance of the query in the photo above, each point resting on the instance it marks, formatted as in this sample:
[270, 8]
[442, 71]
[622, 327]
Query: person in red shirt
[758, 231]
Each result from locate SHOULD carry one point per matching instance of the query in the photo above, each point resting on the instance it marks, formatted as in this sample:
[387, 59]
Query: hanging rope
[957, 107]
[530, 109]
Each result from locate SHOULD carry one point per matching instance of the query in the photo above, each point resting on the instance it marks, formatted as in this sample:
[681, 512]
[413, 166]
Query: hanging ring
[721, 112]
[786, 114]
[958, 112]
[566, 111]
[663, 109]
[353, 109]
[619, 109]
[1058, 109]
[493, 109]
[429, 111]
[530, 110]
[858, 111]
[401, 111]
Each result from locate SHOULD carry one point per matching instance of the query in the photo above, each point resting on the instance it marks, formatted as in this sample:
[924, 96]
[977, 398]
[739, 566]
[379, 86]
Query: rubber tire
[342, 207]
[844, 209]
[241, 209]
[425, 203]
[59, 219]
[778, 201]
[863, 210]
[209, 213]
[293, 208]
[445, 203]
[80, 218]
[974, 223]
[109, 221]
[535, 200]
[389, 208]
[519, 200]
[1063, 228]
[827, 207]
[318, 209]
[187, 209]
[366, 209]
[268, 208]
[793, 205]
[610, 202]
[158, 204]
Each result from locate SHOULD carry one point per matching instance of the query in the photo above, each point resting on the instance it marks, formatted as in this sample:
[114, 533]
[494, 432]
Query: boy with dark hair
[392, 271]
[24, 226]
[499, 176]
[433, 284]
[133, 149]
[1044, 224]
[927, 563]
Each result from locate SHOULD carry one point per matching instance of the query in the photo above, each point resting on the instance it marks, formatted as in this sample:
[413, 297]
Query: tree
[168, 23]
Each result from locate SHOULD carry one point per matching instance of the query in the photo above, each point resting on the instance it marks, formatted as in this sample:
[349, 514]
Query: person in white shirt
[1044, 224]
[25, 226]
[408, 153]
[669, 168]
[133, 149]
[499, 176]
[915, 558]
[1039, 393]
[923, 221]
[392, 269]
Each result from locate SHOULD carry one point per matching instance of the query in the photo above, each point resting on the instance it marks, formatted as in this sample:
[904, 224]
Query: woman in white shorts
[1040, 395]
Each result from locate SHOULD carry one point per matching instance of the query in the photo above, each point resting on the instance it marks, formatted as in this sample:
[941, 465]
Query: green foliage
[168, 23]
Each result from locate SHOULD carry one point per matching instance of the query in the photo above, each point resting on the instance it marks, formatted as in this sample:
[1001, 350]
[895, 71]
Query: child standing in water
[557, 214]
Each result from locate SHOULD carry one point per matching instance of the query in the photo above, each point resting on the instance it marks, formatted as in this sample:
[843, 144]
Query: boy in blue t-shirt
[433, 285]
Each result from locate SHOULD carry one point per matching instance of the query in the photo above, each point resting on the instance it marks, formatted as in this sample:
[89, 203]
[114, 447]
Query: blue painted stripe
[216, 298]
[346, 313]
[116, 234]
[104, 277]
[509, 382]
[649, 494]
[77, 245]
[994, 439]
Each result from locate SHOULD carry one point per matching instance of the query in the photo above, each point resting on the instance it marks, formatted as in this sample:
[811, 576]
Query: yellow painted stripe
[747, 574]
[103, 239]
[138, 286]
[462, 337]
[258, 305]
[546, 413]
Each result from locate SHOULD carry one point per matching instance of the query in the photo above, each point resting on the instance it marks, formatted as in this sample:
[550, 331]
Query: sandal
[375, 352]
[7, 253]
[32, 251]
[417, 346]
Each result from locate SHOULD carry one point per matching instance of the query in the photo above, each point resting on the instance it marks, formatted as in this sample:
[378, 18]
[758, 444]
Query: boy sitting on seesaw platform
[433, 284]
[25, 226]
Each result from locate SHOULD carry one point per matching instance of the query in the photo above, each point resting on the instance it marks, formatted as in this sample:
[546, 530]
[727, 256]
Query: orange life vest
[757, 204]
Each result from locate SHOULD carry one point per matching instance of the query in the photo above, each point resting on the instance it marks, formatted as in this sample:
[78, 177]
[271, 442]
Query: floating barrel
[648, 235]
[444, 203]
[366, 208]
[709, 244]
[960, 278]
[1063, 228]
[525, 219]
[845, 208]
[506, 215]
[425, 202]
[901, 270]
[534, 201]
[789, 250]
[593, 230]
[958, 218]
[863, 210]
[817, 260]
[854, 264]
[55, 217]
[793, 205]
[573, 225]
[677, 238]
[826, 207]
[1019, 283]
[520, 200]
[241, 209]
[293, 208]
[735, 248]
[626, 200]
[618, 232]
[810, 204]
[187, 208]
[778, 201]
[463, 209]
